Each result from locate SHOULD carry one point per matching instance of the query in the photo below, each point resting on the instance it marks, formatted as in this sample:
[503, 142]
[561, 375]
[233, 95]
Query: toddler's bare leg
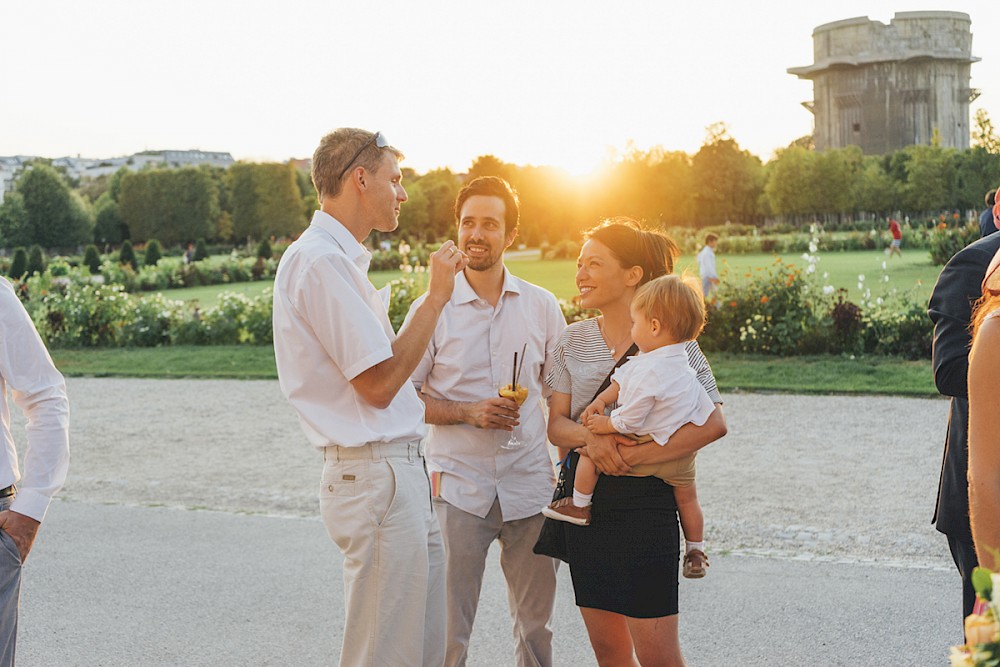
[586, 477]
[692, 519]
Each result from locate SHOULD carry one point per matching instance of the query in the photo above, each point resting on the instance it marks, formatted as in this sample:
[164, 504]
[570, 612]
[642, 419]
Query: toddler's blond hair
[677, 302]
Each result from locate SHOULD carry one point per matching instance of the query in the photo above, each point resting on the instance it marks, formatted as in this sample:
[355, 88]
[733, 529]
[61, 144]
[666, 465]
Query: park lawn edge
[735, 373]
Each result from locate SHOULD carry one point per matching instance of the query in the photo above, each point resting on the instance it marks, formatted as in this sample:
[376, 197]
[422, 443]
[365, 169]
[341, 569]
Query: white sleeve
[346, 326]
[39, 390]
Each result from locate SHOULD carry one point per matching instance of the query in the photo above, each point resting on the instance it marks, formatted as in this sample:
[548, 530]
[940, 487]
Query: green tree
[56, 217]
[977, 172]
[836, 174]
[983, 134]
[307, 193]
[200, 250]
[108, 225]
[790, 179]
[19, 265]
[653, 185]
[153, 253]
[14, 221]
[440, 187]
[126, 255]
[92, 259]
[266, 200]
[174, 205]
[413, 214]
[36, 260]
[930, 178]
[728, 180]
[875, 190]
[489, 165]
[264, 249]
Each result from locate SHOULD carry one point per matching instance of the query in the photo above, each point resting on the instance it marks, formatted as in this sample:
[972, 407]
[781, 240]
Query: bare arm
[492, 413]
[379, 384]
[567, 434]
[687, 440]
[984, 443]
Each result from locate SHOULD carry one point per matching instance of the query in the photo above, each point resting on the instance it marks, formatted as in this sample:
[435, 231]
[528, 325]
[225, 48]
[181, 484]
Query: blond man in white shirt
[40, 391]
[346, 374]
[487, 492]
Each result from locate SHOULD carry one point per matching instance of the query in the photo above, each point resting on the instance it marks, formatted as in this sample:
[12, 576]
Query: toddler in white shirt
[657, 392]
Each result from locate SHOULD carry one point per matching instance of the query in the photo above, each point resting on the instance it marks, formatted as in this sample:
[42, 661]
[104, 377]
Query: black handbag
[552, 537]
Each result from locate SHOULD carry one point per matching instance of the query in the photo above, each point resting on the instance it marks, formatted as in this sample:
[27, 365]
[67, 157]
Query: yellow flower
[980, 629]
[959, 658]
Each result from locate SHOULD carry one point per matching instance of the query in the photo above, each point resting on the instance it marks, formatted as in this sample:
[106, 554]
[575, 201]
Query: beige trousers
[531, 581]
[376, 506]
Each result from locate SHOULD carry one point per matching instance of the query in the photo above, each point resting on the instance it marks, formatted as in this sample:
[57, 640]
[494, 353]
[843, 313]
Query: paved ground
[187, 535]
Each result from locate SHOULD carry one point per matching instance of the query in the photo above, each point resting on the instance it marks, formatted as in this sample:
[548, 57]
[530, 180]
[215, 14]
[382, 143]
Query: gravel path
[842, 478]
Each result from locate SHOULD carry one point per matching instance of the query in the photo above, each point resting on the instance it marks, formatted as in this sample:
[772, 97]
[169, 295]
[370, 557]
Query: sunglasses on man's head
[380, 142]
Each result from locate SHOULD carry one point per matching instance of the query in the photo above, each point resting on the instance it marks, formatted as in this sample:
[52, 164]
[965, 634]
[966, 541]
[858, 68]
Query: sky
[542, 82]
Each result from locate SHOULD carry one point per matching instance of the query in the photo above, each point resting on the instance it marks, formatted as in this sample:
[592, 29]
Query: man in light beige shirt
[488, 492]
[345, 373]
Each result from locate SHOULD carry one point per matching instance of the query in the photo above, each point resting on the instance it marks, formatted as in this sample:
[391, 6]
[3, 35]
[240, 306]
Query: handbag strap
[632, 351]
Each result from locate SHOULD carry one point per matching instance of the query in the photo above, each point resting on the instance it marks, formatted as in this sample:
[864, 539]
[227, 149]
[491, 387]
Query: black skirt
[626, 560]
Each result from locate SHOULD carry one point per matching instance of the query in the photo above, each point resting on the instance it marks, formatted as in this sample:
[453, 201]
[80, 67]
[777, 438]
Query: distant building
[194, 158]
[80, 167]
[883, 87]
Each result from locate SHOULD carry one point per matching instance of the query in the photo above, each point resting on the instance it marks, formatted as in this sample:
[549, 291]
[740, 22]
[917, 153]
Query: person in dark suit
[950, 308]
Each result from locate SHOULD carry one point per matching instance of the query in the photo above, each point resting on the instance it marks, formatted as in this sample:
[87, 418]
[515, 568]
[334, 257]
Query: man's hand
[443, 264]
[493, 413]
[603, 451]
[21, 528]
[600, 424]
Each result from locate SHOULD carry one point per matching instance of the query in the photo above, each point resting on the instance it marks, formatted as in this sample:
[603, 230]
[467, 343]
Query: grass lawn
[823, 375]
[246, 362]
[914, 270]
[208, 295]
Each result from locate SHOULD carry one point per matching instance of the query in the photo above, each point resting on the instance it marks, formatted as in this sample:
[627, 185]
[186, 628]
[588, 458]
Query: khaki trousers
[531, 581]
[376, 506]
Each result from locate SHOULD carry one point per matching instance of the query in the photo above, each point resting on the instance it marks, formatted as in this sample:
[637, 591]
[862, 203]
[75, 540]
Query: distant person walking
[40, 392]
[987, 221]
[347, 376]
[897, 238]
[706, 267]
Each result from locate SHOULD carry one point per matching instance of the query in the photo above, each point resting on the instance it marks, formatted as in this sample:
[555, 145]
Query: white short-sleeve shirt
[659, 393]
[463, 361]
[331, 325]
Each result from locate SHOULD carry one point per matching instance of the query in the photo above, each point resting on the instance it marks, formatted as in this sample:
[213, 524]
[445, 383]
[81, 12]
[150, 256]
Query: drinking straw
[513, 373]
[518, 376]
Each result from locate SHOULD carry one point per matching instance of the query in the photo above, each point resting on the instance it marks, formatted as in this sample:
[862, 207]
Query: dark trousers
[964, 554]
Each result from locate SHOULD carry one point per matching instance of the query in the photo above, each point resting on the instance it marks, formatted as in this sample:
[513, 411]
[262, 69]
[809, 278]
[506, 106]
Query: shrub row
[783, 311]
[778, 310]
[78, 313]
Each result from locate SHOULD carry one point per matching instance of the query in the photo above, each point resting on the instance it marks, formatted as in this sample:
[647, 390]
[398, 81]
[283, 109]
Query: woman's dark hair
[653, 251]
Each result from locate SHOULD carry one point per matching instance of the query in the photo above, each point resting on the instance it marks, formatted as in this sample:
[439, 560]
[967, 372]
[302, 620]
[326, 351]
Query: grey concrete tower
[883, 87]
